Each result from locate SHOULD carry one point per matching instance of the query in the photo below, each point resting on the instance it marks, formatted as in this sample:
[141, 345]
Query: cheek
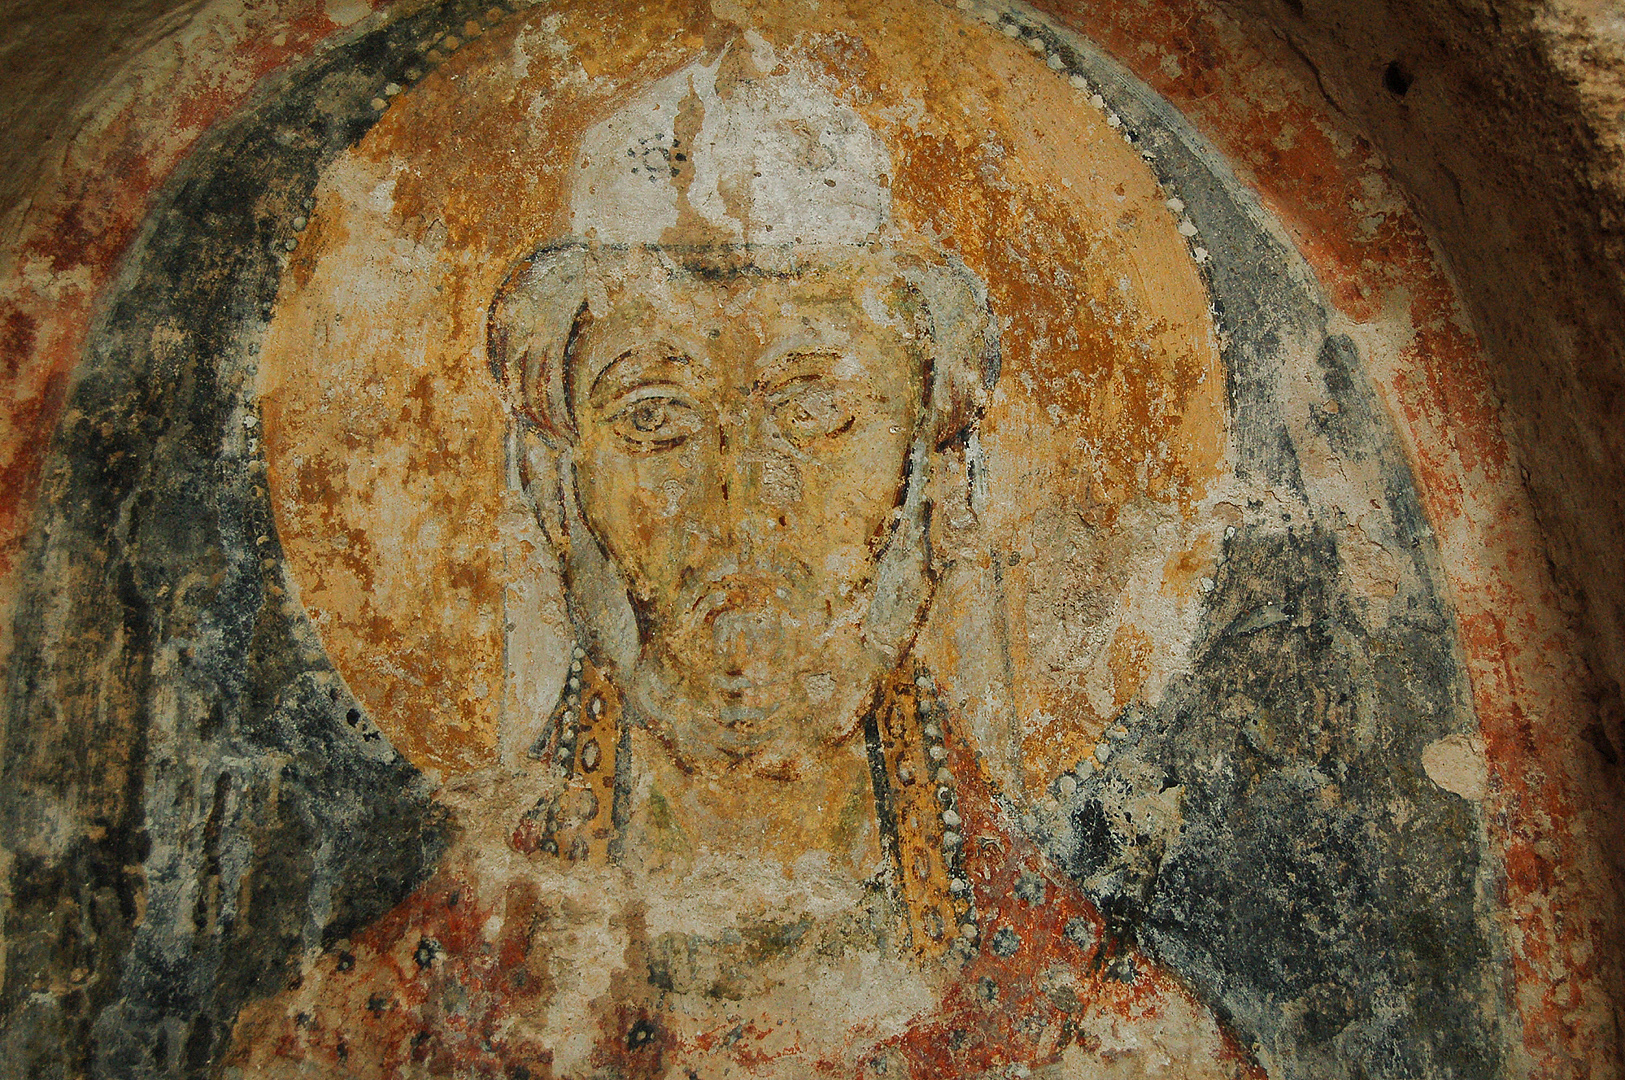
[636, 505]
[852, 488]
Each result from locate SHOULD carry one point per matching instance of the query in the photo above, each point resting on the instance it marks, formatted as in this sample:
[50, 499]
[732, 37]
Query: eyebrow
[782, 370]
[628, 369]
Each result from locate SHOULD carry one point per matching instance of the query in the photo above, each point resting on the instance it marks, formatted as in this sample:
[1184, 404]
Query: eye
[808, 411]
[655, 423]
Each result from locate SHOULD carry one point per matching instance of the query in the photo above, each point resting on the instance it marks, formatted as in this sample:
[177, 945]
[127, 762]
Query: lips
[738, 592]
[739, 637]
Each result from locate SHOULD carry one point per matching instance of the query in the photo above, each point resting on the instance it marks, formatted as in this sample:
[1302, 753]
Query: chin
[768, 720]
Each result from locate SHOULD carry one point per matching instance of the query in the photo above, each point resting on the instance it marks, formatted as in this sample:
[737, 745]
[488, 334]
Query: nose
[759, 480]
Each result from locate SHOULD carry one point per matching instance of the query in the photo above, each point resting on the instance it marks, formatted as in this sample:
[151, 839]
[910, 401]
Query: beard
[759, 663]
[762, 666]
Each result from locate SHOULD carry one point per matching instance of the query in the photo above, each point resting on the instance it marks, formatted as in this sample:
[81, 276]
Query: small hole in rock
[1396, 79]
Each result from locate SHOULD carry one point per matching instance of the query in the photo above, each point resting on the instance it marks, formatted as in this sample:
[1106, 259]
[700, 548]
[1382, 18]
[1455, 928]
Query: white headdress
[744, 149]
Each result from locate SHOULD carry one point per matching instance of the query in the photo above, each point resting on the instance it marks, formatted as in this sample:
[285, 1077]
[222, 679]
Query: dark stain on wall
[1318, 884]
[190, 796]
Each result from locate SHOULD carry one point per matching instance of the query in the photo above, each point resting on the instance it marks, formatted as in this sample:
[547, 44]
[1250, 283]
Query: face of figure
[742, 455]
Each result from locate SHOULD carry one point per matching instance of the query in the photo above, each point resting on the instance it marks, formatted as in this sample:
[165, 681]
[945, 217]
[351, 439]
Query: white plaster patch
[1456, 763]
[820, 687]
[347, 12]
[777, 160]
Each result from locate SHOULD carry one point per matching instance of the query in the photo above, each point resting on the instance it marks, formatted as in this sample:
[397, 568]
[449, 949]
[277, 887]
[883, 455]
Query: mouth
[738, 592]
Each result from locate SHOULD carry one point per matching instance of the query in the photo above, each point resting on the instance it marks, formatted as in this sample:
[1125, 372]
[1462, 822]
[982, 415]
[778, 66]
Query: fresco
[685, 541]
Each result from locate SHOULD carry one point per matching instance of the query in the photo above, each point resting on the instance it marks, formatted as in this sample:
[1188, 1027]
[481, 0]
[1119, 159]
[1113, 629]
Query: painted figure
[751, 839]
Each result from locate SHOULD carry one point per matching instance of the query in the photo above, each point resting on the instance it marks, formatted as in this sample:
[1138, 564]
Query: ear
[965, 338]
[955, 475]
[528, 332]
[542, 475]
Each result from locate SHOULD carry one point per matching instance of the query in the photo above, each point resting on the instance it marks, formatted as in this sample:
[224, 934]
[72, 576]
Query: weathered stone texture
[1392, 758]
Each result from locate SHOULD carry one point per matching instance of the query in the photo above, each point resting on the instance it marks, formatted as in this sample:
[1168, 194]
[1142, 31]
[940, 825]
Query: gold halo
[385, 436]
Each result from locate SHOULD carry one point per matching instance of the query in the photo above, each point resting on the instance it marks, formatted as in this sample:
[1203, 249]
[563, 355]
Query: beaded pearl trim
[918, 805]
[581, 743]
[916, 799]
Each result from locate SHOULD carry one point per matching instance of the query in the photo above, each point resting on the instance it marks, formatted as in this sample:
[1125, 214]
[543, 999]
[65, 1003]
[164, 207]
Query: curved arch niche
[770, 540]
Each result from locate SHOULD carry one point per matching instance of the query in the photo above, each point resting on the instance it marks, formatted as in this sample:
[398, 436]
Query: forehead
[838, 296]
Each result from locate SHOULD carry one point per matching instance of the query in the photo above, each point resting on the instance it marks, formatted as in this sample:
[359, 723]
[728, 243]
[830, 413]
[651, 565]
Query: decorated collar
[916, 761]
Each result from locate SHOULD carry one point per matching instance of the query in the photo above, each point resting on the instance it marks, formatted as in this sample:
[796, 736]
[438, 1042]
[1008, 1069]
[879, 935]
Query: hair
[541, 306]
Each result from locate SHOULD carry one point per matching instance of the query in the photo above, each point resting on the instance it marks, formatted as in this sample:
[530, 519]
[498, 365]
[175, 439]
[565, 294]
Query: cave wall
[1448, 174]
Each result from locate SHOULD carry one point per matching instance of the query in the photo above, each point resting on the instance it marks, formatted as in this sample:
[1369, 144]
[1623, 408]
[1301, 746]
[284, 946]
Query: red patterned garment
[969, 956]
